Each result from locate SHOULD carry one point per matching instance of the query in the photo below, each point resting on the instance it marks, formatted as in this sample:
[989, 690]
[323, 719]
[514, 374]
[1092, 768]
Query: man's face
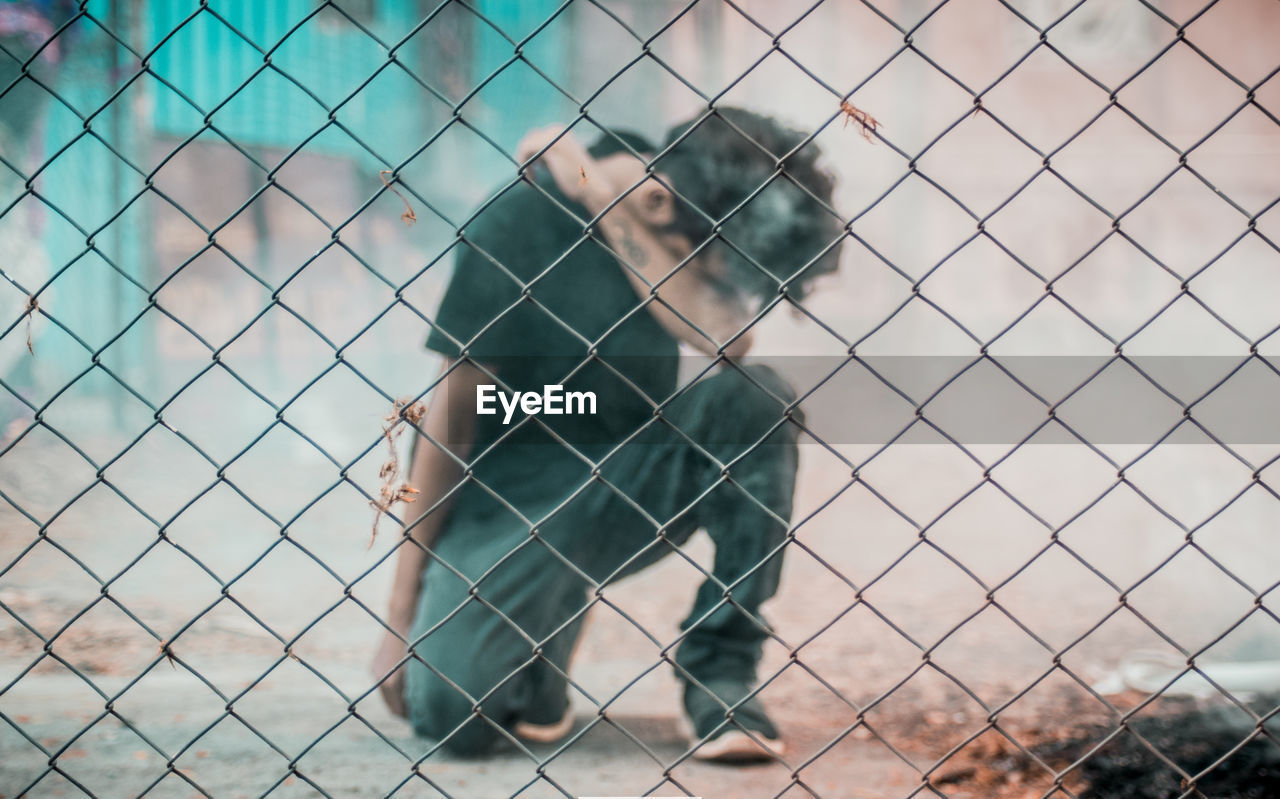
[650, 201]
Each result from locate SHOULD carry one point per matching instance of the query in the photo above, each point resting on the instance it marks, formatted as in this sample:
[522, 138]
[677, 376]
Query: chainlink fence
[1032, 549]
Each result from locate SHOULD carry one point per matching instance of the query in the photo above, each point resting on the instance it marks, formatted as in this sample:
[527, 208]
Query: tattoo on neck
[637, 255]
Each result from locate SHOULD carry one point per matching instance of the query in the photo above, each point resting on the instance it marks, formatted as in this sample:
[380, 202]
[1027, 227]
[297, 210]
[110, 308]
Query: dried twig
[393, 491]
[866, 122]
[408, 216]
[33, 305]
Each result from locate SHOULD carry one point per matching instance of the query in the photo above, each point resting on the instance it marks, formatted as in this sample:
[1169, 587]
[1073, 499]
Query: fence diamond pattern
[920, 160]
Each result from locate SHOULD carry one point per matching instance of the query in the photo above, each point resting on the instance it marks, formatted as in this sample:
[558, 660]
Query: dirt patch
[1170, 748]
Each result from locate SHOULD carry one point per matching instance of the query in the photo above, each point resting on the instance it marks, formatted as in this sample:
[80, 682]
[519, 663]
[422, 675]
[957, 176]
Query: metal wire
[417, 770]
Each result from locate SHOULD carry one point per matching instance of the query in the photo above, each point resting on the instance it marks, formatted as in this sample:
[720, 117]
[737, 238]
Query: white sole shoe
[734, 746]
[544, 733]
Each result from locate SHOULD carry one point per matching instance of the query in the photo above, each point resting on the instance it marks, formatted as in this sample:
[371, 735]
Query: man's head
[781, 236]
[716, 163]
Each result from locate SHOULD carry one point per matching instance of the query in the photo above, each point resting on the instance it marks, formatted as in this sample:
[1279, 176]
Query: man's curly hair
[719, 161]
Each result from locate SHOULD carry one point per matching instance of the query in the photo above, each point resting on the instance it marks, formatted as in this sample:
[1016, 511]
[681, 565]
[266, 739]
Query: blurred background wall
[271, 161]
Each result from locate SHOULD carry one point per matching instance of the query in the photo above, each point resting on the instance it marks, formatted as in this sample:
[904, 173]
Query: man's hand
[390, 652]
[448, 427]
[571, 166]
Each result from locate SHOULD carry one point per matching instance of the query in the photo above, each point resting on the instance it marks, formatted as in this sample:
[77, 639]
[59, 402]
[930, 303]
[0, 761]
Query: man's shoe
[544, 733]
[549, 716]
[739, 734]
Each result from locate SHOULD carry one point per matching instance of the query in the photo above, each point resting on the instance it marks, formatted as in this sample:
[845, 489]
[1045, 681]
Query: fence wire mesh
[1030, 551]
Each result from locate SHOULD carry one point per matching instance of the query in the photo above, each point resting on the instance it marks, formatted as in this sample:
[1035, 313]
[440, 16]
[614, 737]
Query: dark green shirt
[536, 302]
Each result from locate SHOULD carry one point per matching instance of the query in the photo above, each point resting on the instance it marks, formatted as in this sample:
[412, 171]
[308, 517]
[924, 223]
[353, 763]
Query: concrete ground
[104, 713]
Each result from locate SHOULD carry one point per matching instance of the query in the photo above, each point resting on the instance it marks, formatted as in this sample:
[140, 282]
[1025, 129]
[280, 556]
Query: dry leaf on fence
[867, 124]
[408, 216]
[401, 412]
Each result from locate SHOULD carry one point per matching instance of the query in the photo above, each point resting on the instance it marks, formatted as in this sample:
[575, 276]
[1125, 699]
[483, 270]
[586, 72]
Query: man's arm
[686, 304]
[450, 421]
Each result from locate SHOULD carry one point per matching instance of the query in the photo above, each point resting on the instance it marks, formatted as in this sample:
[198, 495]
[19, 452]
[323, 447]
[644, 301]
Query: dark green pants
[495, 627]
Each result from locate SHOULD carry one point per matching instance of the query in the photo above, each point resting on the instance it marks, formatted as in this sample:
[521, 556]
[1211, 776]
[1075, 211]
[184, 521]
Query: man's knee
[447, 714]
[457, 692]
[476, 738]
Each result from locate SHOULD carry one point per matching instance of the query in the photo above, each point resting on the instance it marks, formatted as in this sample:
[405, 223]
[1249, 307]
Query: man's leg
[482, 673]
[489, 651]
[728, 420]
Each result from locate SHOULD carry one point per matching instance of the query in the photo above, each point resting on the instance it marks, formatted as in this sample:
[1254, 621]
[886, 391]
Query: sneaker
[741, 733]
[550, 714]
[549, 717]
[544, 733]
